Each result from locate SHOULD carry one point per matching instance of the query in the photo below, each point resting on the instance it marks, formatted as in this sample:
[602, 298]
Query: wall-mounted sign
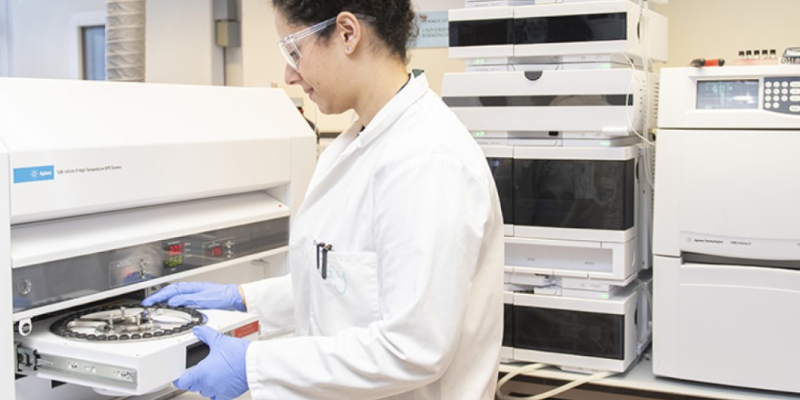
[433, 30]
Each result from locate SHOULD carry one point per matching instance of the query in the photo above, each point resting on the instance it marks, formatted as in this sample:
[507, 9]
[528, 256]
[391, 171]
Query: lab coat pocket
[348, 296]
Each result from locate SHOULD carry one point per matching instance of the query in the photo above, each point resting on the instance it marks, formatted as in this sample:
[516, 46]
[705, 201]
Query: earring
[348, 48]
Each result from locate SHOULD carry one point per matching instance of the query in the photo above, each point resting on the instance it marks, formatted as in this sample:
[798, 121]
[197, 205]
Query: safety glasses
[288, 45]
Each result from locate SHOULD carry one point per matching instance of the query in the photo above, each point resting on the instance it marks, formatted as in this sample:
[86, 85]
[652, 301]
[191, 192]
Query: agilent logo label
[34, 174]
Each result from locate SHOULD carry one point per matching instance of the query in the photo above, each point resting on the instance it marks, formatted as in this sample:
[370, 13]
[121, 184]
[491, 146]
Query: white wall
[4, 39]
[181, 41]
[181, 44]
[40, 35]
[43, 40]
[720, 28]
[261, 63]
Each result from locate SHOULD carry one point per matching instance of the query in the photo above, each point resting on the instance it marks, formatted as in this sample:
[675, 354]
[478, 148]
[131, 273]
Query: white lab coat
[412, 307]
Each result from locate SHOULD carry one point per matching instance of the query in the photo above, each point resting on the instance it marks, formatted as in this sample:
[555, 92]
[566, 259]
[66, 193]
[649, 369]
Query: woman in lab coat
[397, 251]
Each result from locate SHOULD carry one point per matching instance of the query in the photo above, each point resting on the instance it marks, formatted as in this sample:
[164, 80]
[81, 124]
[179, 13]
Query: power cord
[550, 393]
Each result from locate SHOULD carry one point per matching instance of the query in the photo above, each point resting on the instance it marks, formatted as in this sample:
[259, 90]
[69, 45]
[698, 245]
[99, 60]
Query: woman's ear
[349, 31]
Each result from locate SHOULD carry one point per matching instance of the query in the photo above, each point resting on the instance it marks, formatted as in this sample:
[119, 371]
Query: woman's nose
[291, 76]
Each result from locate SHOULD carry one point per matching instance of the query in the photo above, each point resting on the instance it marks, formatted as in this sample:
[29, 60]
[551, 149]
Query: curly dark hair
[394, 22]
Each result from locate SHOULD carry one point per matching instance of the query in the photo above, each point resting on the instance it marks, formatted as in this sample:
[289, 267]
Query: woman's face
[318, 68]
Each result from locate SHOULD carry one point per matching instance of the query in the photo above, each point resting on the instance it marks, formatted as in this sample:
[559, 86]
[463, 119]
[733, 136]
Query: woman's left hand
[200, 295]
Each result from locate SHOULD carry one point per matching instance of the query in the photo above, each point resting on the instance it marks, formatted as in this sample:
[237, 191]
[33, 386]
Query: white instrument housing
[571, 32]
[726, 229]
[130, 368]
[591, 104]
[112, 188]
[545, 233]
[594, 335]
[760, 97]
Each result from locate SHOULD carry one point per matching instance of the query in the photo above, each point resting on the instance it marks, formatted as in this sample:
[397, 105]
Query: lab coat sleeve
[430, 213]
[272, 300]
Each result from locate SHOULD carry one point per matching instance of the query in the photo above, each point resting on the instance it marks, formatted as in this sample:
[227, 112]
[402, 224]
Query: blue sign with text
[34, 174]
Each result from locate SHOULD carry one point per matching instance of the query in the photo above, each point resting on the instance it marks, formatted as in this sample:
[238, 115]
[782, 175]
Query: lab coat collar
[353, 139]
[413, 90]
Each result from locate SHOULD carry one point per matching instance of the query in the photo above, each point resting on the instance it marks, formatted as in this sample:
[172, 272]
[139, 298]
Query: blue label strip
[34, 174]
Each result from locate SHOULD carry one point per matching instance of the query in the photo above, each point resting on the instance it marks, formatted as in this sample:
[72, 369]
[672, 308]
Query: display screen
[174, 255]
[218, 249]
[579, 333]
[481, 33]
[175, 249]
[502, 171]
[727, 95]
[508, 325]
[215, 251]
[580, 194]
[173, 261]
[571, 28]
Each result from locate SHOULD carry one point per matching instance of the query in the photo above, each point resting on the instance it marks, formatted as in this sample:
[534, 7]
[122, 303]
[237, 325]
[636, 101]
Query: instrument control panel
[51, 282]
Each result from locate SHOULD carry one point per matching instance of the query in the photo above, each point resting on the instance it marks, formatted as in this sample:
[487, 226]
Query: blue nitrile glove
[198, 294]
[222, 375]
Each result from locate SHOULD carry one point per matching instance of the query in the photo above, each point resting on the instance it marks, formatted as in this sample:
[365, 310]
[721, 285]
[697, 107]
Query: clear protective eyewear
[288, 45]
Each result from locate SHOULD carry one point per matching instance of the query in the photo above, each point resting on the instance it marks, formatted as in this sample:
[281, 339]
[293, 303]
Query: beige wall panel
[720, 28]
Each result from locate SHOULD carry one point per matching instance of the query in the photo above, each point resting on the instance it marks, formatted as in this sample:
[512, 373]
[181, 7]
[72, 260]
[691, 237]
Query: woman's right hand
[199, 295]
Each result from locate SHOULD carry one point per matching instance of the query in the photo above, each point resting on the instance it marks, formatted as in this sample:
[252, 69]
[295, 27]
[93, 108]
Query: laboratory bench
[635, 384]
[638, 383]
